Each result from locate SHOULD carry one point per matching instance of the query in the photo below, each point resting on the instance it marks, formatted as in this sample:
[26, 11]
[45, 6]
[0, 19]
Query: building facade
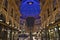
[50, 19]
[9, 19]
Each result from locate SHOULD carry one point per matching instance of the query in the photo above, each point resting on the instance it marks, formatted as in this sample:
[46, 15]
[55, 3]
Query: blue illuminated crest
[30, 8]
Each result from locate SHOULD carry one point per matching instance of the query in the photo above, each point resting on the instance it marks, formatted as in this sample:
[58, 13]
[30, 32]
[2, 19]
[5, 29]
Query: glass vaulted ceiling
[30, 8]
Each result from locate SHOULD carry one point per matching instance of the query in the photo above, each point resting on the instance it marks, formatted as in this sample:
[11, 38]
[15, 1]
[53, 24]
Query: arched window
[2, 18]
[54, 5]
[5, 4]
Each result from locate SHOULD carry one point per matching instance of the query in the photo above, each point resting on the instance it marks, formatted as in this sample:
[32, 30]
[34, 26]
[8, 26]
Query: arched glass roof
[30, 8]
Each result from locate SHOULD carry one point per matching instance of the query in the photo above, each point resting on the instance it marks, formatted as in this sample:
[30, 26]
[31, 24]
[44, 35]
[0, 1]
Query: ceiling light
[49, 30]
[52, 22]
[0, 20]
[30, 3]
[15, 27]
[7, 22]
[55, 28]
[59, 28]
[19, 30]
[47, 25]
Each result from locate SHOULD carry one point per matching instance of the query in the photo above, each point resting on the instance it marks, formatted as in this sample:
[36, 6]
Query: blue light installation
[30, 8]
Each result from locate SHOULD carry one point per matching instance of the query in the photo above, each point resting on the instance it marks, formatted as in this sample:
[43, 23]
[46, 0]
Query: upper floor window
[59, 1]
[20, 0]
[48, 12]
[5, 4]
[12, 12]
[17, 3]
[54, 5]
[57, 17]
[44, 16]
[0, 2]
[15, 16]
[43, 2]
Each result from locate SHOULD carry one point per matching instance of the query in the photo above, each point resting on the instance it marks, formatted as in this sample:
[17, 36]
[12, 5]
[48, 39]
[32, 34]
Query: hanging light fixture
[30, 3]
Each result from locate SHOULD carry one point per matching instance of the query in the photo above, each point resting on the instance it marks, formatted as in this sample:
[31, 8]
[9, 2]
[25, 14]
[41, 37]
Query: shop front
[53, 34]
[7, 33]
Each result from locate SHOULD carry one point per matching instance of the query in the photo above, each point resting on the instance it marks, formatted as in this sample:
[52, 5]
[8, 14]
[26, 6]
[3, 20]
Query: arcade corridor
[29, 19]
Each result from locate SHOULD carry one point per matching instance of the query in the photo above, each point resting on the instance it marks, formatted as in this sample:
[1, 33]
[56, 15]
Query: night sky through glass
[30, 8]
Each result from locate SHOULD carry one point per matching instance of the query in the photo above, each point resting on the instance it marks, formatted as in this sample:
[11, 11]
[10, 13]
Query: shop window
[5, 4]
[2, 18]
[4, 35]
